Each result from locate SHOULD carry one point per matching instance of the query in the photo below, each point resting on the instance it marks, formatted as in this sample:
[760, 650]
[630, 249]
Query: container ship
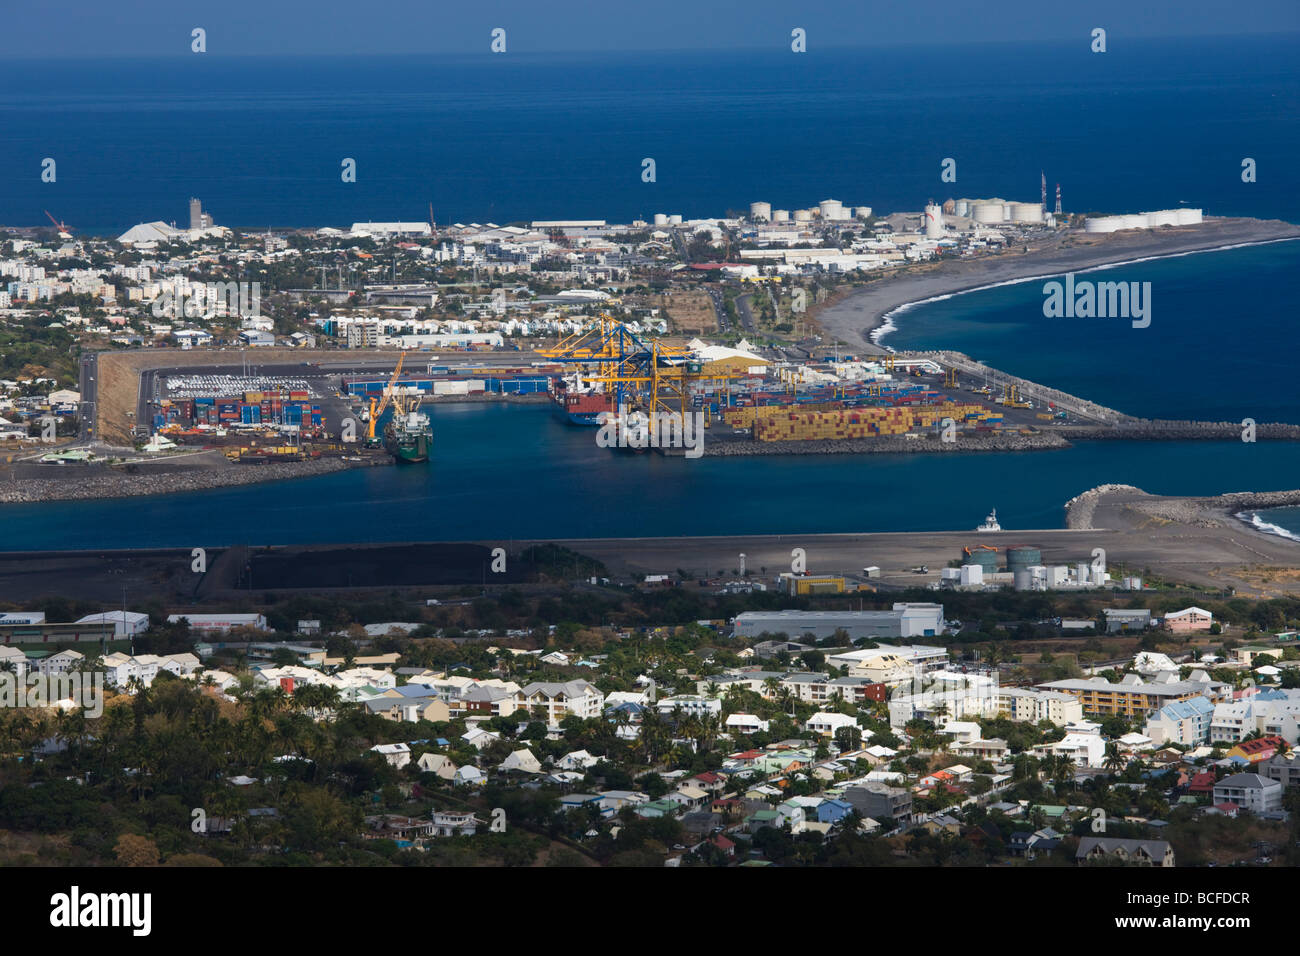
[409, 437]
[577, 405]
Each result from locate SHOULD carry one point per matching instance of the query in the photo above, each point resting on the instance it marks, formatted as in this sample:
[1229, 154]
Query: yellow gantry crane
[1011, 396]
[645, 375]
[389, 397]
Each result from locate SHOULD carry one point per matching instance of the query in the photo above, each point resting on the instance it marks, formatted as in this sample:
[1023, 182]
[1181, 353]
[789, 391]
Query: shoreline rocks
[120, 485]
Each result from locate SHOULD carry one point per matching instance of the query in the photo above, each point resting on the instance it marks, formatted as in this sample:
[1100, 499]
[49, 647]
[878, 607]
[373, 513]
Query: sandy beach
[852, 319]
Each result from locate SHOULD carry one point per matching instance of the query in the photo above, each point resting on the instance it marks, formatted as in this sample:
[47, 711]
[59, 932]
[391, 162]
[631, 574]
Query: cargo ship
[578, 405]
[409, 437]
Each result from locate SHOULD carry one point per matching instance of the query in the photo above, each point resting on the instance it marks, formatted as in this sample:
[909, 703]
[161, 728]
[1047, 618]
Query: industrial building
[220, 622]
[905, 620]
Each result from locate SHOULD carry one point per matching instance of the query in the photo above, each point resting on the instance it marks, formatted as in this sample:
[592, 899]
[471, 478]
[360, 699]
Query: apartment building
[1184, 722]
[557, 701]
[1133, 697]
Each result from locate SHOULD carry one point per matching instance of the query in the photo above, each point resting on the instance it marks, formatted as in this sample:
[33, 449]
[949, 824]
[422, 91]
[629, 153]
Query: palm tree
[1064, 775]
[1114, 761]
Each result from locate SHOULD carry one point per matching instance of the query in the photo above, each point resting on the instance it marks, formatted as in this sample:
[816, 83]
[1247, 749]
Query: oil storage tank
[760, 210]
[1027, 212]
[1189, 217]
[988, 560]
[1022, 558]
[987, 212]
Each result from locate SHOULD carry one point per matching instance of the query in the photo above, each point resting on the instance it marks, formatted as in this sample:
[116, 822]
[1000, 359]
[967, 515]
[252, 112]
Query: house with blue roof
[1185, 722]
[833, 811]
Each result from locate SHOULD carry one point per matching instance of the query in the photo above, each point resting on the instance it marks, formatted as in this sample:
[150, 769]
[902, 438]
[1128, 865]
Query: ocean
[516, 137]
[520, 137]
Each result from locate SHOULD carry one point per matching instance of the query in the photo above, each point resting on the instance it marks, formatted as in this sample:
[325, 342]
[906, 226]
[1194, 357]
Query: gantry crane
[1011, 396]
[389, 397]
[636, 374]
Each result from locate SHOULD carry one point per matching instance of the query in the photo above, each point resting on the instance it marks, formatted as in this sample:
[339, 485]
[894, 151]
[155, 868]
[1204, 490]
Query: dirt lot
[691, 312]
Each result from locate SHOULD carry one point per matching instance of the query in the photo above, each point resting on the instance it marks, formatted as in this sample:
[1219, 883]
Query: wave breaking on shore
[1253, 519]
[888, 325]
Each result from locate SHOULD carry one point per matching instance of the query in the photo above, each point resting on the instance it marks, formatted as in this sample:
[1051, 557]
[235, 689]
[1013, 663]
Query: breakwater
[118, 484]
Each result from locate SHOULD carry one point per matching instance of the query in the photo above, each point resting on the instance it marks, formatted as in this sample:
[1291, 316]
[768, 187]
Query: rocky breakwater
[1136, 508]
[1159, 430]
[118, 484]
[892, 445]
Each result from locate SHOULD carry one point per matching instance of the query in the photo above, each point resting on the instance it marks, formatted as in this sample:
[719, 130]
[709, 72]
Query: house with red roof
[723, 844]
[1261, 748]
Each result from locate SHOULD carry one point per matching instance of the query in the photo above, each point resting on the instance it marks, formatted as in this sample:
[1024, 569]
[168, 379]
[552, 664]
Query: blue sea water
[521, 137]
[1220, 346]
[517, 472]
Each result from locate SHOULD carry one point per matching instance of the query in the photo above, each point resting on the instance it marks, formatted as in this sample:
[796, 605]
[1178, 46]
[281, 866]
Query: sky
[98, 28]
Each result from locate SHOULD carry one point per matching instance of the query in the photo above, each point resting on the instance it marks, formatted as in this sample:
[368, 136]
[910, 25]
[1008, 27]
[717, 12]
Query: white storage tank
[674, 220]
[1162, 217]
[862, 212]
[760, 210]
[1103, 224]
[1189, 217]
[1027, 212]
[962, 207]
[661, 219]
[933, 222]
[781, 215]
[988, 212]
[831, 209]
[1135, 221]
[803, 215]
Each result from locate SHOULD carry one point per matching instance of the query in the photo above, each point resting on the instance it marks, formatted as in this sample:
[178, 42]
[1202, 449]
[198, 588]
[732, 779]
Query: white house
[521, 760]
[827, 723]
[13, 659]
[468, 776]
[59, 663]
[478, 738]
[398, 755]
[448, 823]
[1250, 791]
[690, 705]
[746, 724]
[556, 701]
[577, 760]
[438, 764]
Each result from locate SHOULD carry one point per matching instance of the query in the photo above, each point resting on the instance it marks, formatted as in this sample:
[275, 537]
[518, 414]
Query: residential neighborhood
[680, 746]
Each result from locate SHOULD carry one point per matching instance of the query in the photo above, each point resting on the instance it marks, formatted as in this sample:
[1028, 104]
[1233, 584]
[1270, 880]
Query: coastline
[863, 317]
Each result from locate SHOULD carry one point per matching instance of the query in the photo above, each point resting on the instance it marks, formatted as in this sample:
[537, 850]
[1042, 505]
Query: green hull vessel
[409, 439]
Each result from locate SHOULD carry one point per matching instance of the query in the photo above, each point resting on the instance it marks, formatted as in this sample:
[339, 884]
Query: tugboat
[991, 522]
